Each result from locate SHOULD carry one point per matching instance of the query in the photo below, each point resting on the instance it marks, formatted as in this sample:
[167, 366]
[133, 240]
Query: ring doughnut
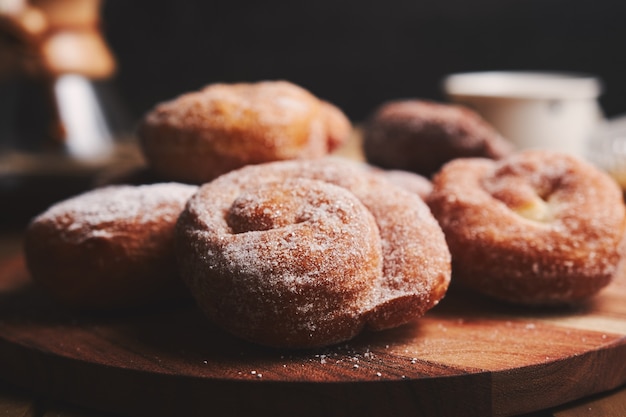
[305, 254]
[201, 135]
[537, 227]
[109, 248]
[420, 136]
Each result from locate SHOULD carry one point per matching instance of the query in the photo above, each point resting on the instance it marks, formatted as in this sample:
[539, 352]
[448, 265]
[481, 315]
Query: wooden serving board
[469, 356]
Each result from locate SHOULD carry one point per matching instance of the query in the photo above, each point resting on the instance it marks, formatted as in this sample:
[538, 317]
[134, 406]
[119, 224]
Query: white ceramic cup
[557, 111]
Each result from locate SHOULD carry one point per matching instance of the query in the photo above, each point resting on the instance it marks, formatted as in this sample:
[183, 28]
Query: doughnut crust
[537, 227]
[201, 135]
[410, 181]
[420, 136]
[304, 254]
[109, 248]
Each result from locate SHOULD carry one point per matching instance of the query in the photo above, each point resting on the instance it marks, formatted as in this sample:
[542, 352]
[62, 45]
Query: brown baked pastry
[420, 136]
[536, 228]
[201, 135]
[410, 181]
[109, 248]
[304, 254]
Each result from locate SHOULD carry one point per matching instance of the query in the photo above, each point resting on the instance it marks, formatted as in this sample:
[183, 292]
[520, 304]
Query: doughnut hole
[529, 196]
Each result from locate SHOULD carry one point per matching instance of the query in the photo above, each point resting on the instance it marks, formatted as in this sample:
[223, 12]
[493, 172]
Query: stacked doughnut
[200, 135]
[537, 227]
[308, 253]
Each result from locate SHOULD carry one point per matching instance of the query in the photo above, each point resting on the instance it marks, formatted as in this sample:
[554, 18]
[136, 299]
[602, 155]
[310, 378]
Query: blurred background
[359, 53]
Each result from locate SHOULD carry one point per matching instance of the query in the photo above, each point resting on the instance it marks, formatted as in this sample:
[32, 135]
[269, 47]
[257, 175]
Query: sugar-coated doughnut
[305, 254]
[410, 181]
[201, 135]
[537, 227]
[109, 248]
[420, 136]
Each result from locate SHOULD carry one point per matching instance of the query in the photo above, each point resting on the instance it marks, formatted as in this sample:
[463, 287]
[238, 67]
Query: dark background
[358, 54]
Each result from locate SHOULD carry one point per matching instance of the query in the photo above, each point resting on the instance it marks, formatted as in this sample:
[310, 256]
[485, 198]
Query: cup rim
[523, 85]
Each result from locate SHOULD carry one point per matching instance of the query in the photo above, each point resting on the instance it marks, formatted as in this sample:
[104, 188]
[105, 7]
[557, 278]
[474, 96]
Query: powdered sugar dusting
[203, 134]
[273, 103]
[96, 213]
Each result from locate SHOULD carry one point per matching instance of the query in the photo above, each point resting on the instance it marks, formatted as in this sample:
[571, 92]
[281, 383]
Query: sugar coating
[270, 105]
[98, 213]
[307, 253]
[109, 248]
[410, 181]
[202, 134]
[537, 227]
[288, 101]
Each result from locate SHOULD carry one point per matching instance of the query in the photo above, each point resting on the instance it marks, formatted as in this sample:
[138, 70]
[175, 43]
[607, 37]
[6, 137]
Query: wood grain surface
[469, 356]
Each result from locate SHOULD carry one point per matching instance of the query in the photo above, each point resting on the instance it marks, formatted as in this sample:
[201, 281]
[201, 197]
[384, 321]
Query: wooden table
[23, 401]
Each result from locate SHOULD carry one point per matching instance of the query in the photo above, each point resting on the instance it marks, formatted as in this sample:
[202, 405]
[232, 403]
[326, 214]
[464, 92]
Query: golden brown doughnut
[109, 248]
[201, 135]
[307, 253]
[420, 136]
[535, 228]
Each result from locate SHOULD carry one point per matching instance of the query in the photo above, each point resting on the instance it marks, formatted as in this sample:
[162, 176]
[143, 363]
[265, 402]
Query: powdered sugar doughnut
[308, 253]
[536, 228]
[200, 135]
[108, 248]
